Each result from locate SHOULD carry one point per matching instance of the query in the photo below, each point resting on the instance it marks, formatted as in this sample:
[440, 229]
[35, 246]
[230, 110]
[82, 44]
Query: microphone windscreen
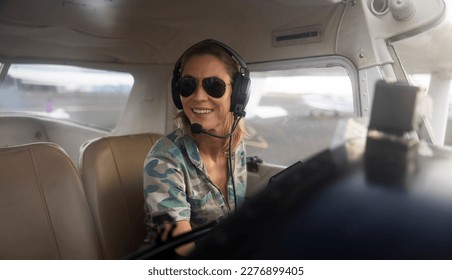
[196, 128]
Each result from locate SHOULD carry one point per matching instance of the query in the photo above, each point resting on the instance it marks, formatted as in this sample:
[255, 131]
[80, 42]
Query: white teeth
[202, 111]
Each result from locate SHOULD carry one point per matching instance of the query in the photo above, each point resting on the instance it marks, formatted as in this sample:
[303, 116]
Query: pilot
[196, 175]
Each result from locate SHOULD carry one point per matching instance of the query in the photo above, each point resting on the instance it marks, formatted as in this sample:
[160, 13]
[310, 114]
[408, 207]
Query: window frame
[315, 62]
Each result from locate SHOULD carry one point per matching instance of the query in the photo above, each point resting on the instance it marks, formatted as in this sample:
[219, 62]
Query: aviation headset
[240, 83]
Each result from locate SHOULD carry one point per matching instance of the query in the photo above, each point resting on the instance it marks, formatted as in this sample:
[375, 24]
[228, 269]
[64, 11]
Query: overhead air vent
[297, 36]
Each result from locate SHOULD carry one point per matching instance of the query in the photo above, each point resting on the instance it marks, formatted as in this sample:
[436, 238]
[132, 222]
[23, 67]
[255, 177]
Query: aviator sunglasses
[213, 86]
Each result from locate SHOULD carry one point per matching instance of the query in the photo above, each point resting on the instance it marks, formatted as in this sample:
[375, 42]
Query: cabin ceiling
[139, 31]
[158, 31]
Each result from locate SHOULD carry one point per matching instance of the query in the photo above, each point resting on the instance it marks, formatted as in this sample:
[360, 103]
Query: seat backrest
[112, 173]
[43, 208]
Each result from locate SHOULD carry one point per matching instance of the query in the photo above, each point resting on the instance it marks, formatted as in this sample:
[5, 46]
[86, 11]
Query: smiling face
[212, 113]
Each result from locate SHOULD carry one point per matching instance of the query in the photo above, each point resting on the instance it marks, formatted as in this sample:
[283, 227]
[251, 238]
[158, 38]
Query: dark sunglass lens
[215, 87]
[186, 86]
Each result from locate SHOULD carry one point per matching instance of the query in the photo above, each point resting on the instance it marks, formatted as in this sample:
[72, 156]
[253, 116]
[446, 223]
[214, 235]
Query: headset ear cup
[240, 94]
[175, 89]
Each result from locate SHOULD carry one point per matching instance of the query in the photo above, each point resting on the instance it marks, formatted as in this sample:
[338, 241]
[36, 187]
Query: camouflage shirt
[176, 182]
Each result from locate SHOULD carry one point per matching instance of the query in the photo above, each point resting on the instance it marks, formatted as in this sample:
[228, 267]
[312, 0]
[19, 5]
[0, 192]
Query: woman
[197, 173]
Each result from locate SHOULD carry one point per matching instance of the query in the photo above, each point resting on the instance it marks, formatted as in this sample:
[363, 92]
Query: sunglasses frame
[204, 84]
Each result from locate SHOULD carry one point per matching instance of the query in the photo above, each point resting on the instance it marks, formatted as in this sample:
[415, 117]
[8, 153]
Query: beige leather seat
[112, 173]
[43, 209]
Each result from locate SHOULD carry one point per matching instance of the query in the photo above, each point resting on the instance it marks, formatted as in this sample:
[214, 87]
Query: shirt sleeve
[164, 187]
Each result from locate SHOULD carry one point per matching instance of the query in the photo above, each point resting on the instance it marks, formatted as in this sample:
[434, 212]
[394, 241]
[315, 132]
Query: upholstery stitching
[44, 201]
[90, 203]
[123, 196]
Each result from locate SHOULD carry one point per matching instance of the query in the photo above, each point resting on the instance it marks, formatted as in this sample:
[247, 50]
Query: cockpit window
[292, 114]
[89, 97]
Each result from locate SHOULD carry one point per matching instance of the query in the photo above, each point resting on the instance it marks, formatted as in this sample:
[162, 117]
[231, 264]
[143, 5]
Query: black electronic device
[394, 108]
